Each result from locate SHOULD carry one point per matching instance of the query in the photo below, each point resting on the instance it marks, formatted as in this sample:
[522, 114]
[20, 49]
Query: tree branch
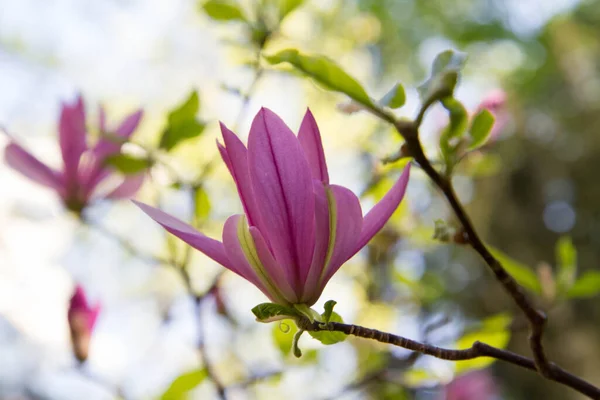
[409, 130]
[477, 350]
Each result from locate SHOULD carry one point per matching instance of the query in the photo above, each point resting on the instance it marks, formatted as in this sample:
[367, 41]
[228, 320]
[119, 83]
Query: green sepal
[269, 312]
[307, 312]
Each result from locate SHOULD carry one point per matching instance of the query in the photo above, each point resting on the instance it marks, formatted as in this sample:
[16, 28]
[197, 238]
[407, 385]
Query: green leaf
[493, 331]
[330, 337]
[183, 384]
[521, 272]
[283, 336]
[222, 10]
[182, 123]
[287, 6]
[128, 165]
[443, 78]
[455, 129]
[325, 72]
[269, 312]
[201, 204]
[458, 117]
[588, 285]
[481, 126]
[328, 310]
[566, 258]
[395, 98]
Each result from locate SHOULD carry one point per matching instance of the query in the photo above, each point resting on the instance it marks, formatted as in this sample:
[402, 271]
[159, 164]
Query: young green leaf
[523, 274]
[283, 336]
[201, 204]
[328, 310]
[481, 126]
[588, 285]
[183, 384]
[182, 123]
[223, 10]
[128, 165]
[494, 331]
[453, 132]
[330, 337]
[444, 76]
[325, 72]
[269, 312]
[566, 259]
[395, 98]
[288, 6]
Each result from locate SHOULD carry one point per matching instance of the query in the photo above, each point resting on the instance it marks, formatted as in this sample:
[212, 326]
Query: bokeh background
[535, 182]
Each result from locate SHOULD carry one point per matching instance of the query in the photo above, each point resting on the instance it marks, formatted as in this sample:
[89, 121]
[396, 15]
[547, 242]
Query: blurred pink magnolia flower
[297, 229]
[476, 385]
[82, 318]
[495, 102]
[84, 166]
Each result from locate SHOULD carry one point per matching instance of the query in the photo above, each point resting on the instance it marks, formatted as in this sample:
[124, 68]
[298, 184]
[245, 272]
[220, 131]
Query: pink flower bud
[82, 318]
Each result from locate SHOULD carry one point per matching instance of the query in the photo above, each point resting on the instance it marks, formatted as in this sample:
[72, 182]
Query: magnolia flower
[297, 229]
[82, 318]
[84, 166]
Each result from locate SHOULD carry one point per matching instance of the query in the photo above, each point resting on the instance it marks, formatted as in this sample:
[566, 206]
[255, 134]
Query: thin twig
[477, 350]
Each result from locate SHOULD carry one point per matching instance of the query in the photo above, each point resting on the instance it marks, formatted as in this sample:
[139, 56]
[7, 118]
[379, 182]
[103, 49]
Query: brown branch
[537, 319]
[477, 350]
[409, 130]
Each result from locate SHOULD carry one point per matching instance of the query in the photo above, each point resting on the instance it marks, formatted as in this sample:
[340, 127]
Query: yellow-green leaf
[182, 123]
[283, 335]
[325, 72]
[588, 285]
[566, 258]
[444, 76]
[493, 331]
[222, 10]
[330, 337]
[395, 98]
[521, 272]
[183, 384]
[128, 165]
[481, 127]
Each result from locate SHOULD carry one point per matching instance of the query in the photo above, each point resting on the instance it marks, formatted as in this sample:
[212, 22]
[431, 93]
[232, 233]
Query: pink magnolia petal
[240, 263]
[106, 145]
[237, 162]
[348, 226]
[321, 238]
[310, 140]
[280, 277]
[128, 188]
[283, 190]
[346, 214]
[72, 138]
[24, 162]
[79, 305]
[210, 247]
[96, 171]
[129, 124]
[382, 211]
